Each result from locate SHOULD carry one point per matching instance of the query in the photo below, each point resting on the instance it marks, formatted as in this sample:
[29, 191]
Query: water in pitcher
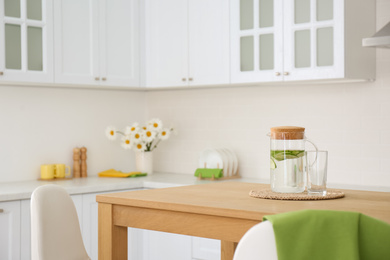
[287, 171]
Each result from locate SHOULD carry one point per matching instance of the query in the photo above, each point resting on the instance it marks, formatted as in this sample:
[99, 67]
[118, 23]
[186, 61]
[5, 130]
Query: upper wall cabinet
[96, 42]
[275, 40]
[186, 42]
[26, 41]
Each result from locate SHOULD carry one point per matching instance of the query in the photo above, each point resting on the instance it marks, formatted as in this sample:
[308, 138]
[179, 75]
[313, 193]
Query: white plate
[234, 161]
[229, 161]
[210, 158]
[225, 157]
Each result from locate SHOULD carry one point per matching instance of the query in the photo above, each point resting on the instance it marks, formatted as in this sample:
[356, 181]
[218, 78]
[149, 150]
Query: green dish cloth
[324, 235]
[208, 173]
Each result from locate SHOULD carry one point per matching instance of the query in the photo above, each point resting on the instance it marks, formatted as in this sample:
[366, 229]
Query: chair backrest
[55, 229]
[258, 243]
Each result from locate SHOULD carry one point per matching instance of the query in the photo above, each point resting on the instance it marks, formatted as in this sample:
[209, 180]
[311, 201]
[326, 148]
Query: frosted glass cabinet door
[314, 39]
[256, 40]
[26, 40]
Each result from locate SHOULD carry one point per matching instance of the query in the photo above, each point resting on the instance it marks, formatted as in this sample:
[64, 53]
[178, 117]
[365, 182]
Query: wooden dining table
[218, 210]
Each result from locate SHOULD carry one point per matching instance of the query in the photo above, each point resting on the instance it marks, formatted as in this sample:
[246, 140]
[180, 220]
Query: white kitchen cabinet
[275, 40]
[186, 43]
[206, 249]
[26, 41]
[166, 246]
[25, 227]
[10, 230]
[96, 42]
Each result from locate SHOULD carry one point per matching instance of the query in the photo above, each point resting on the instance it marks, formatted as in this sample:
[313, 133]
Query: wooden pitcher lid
[287, 132]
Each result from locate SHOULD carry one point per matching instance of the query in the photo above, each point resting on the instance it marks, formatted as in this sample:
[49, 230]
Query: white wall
[351, 121]
[43, 125]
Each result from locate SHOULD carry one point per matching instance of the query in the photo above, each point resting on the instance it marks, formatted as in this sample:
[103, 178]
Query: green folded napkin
[208, 173]
[324, 234]
[138, 175]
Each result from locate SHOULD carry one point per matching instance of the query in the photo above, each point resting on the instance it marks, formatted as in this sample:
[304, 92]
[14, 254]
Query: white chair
[55, 229]
[258, 243]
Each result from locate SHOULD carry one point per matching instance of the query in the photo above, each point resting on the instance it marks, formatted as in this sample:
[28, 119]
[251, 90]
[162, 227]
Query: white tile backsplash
[43, 125]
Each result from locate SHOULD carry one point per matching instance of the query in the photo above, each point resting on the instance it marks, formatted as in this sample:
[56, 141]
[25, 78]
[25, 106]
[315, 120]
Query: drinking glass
[316, 167]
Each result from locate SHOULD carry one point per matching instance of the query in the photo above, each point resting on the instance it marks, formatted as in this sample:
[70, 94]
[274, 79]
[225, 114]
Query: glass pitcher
[287, 158]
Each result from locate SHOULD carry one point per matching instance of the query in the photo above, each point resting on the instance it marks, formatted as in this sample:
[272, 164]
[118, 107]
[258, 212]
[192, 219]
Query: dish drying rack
[234, 176]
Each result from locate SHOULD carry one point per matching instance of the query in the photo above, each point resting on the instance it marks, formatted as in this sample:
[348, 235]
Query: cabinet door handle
[277, 73]
[190, 79]
[104, 79]
[183, 79]
[286, 73]
[1, 210]
[1, 73]
[97, 78]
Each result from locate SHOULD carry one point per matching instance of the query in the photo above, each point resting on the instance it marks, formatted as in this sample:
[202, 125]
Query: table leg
[227, 250]
[112, 239]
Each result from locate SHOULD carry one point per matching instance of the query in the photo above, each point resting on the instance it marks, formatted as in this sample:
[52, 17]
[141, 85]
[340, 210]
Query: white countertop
[23, 189]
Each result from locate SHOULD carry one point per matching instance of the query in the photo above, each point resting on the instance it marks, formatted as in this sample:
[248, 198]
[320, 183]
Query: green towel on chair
[324, 235]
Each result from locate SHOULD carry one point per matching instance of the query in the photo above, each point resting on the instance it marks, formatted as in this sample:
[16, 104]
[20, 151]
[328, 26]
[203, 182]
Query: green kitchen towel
[208, 173]
[325, 234]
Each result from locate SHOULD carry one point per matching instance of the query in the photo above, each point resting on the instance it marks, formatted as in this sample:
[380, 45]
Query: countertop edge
[22, 190]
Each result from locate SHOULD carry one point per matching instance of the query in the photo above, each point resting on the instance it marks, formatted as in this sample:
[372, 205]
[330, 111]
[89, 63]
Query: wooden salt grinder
[76, 163]
[83, 162]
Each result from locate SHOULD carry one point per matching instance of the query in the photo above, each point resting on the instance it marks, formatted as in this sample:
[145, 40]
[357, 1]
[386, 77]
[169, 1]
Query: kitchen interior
[69, 100]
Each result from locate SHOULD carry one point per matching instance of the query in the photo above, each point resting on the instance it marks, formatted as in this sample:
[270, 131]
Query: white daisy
[149, 135]
[137, 136]
[131, 129]
[155, 124]
[111, 133]
[127, 143]
[139, 147]
[164, 134]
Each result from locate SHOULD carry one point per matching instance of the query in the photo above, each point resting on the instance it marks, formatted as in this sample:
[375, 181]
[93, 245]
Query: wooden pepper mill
[83, 162]
[76, 163]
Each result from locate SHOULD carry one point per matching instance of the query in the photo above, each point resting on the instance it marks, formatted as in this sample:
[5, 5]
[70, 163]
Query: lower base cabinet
[206, 249]
[15, 235]
[10, 230]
